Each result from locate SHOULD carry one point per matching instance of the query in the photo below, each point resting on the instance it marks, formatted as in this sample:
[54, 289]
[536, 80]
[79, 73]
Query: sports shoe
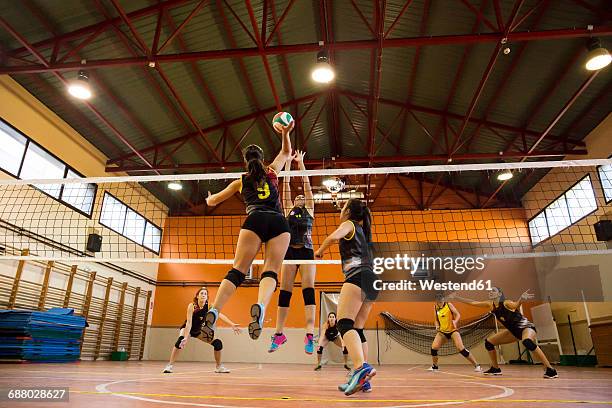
[493, 371]
[168, 369]
[277, 341]
[478, 369]
[366, 387]
[221, 370]
[551, 373]
[308, 344]
[318, 367]
[434, 368]
[359, 377]
[256, 325]
[209, 325]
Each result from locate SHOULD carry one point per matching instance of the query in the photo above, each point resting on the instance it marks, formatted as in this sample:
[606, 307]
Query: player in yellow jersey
[446, 319]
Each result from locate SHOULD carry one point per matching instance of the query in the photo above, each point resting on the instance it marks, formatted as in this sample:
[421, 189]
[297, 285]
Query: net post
[144, 326]
[45, 286]
[15, 288]
[134, 310]
[73, 270]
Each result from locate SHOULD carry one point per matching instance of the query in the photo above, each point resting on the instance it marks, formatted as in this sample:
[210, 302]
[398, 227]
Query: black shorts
[448, 335]
[365, 280]
[333, 337]
[518, 331]
[299, 254]
[266, 225]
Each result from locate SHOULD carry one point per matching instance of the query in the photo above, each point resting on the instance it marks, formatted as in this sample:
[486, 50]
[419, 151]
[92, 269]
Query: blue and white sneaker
[366, 387]
[256, 325]
[359, 378]
[209, 325]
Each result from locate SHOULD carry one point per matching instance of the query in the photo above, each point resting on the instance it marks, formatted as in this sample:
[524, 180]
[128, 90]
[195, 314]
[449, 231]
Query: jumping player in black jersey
[517, 327]
[331, 334]
[357, 293]
[265, 224]
[300, 215]
[196, 311]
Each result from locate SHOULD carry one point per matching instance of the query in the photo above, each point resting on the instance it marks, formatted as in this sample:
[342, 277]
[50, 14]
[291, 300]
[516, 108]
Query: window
[125, 221]
[12, 148]
[25, 159]
[575, 204]
[605, 178]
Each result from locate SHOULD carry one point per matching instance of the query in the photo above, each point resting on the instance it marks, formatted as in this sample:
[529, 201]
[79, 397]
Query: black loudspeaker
[603, 230]
[94, 242]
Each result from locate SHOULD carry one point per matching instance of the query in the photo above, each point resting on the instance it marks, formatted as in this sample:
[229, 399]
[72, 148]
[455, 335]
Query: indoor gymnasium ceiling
[180, 85]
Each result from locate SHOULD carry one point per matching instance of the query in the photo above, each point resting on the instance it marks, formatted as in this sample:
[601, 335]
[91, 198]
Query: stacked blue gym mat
[47, 337]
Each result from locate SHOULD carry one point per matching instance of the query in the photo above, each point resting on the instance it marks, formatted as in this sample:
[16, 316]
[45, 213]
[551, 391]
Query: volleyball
[280, 120]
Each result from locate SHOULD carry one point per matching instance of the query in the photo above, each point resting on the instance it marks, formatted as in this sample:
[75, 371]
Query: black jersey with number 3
[263, 196]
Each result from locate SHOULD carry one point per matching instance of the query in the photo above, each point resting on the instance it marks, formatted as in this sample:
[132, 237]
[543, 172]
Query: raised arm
[343, 230]
[287, 204]
[299, 157]
[285, 153]
[516, 304]
[478, 303]
[231, 189]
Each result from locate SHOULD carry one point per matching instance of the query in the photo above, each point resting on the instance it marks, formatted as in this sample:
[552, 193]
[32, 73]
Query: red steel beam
[279, 22]
[213, 128]
[126, 19]
[558, 34]
[363, 160]
[451, 115]
[177, 31]
[363, 17]
[399, 16]
[505, 77]
[479, 15]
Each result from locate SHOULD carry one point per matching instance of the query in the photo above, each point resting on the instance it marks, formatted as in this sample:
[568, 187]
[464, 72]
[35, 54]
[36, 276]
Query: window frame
[67, 168]
[543, 210]
[147, 221]
[603, 190]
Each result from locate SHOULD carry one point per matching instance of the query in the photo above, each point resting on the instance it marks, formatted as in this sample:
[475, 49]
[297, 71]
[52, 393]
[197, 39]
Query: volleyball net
[526, 209]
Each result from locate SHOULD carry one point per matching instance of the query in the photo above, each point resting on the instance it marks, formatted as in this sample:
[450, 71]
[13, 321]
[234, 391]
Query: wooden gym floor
[141, 384]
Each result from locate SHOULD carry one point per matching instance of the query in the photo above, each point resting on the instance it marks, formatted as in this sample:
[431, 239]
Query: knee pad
[320, 350]
[217, 344]
[235, 276]
[529, 344]
[434, 352]
[344, 351]
[284, 298]
[362, 336]
[309, 296]
[270, 274]
[178, 342]
[465, 352]
[344, 325]
[489, 346]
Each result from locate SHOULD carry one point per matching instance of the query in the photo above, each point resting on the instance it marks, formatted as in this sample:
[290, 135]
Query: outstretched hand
[298, 157]
[526, 295]
[209, 201]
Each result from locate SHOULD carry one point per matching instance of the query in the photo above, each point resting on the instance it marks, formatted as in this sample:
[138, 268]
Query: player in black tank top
[357, 293]
[517, 327]
[330, 334]
[300, 216]
[265, 223]
[196, 312]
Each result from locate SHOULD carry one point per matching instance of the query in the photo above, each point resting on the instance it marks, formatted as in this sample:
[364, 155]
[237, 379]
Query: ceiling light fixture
[504, 175]
[175, 185]
[79, 88]
[598, 56]
[323, 71]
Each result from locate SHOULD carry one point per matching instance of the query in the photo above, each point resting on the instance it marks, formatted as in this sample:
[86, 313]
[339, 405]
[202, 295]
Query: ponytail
[360, 212]
[253, 155]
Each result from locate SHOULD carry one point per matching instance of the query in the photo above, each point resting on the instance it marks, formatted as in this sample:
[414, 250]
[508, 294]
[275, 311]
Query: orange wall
[215, 237]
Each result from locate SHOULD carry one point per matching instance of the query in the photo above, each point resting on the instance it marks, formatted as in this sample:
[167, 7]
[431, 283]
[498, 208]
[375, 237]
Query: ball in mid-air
[281, 120]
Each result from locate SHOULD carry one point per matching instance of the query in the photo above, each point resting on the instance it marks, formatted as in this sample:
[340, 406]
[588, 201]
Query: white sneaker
[221, 370]
[478, 369]
[168, 369]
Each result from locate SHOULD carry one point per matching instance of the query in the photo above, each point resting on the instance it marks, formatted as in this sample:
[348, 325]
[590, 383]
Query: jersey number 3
[264, 192]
